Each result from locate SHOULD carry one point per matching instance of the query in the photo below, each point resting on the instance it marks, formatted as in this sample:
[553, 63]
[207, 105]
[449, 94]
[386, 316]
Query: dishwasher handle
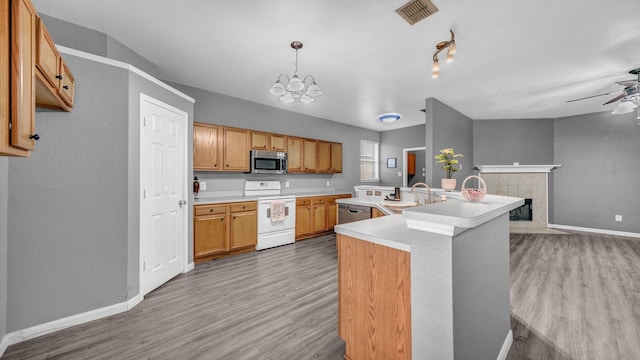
[354, 211]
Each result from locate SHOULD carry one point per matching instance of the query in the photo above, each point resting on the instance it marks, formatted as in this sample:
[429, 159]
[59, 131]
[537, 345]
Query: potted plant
[447, 158]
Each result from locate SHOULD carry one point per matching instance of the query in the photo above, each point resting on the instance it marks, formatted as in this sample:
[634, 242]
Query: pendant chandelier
[290, 90]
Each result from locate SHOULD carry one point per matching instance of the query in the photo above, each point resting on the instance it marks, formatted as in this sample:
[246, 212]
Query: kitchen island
[432, 283]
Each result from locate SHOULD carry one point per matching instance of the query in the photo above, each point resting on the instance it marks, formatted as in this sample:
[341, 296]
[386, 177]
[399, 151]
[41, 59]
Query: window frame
[375, 161]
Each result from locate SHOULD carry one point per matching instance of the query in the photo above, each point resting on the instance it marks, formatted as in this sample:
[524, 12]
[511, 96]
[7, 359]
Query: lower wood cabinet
[224, 229]
[316, 215]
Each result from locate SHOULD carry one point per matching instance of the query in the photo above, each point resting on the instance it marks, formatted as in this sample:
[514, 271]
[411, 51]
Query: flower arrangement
[447, 158]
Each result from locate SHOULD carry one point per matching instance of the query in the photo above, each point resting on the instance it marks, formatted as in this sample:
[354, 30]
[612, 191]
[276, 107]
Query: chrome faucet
[412, 191]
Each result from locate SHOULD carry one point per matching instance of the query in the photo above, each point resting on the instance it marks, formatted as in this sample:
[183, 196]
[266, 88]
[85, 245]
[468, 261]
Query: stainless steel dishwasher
[349, 213]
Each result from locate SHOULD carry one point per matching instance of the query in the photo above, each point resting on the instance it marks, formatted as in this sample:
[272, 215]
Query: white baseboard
[504, 351]
[190, 266]
[597, 231]
[47, 328]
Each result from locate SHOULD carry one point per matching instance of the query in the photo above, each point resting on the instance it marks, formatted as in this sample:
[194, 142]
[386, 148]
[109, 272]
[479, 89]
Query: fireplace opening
[523, 213]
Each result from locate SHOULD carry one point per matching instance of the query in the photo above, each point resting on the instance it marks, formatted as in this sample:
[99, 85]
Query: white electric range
[272, 233]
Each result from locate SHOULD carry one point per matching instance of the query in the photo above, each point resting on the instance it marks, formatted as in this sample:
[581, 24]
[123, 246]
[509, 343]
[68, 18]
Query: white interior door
[163, 173]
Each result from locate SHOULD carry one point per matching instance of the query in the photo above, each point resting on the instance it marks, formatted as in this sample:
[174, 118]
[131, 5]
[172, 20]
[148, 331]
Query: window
[369, 161]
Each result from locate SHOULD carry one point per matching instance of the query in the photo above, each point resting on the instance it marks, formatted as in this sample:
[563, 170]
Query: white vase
[448, 184]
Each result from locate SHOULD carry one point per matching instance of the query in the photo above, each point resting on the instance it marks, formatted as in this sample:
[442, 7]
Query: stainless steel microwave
[268, 162]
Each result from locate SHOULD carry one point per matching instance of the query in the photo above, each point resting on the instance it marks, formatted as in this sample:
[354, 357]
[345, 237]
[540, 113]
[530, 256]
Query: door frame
[142, 230]
[405, 151]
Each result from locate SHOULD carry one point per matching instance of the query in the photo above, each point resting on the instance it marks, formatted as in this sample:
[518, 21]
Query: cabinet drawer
[245, 206]
[303, 201]
[319, 200]
[201, 210]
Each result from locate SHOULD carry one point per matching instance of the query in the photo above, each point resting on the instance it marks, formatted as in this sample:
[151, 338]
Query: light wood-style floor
[574, 296]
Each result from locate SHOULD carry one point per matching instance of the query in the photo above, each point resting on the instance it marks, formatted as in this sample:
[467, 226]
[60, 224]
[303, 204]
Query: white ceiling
[515, 59]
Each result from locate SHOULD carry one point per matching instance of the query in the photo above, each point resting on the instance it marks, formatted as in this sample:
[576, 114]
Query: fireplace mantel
[517, 168]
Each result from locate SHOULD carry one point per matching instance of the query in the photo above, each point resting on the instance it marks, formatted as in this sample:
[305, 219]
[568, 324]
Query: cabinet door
[303, 220]
[319, 214]
[244, 229]
[210, 235]
[67, 84]
[324, 156]
[336, 157]
[332, 216]
[278, 142]
[23, 58]
[295, 154]
[310, 148]
[376, 213]
[236, 149]
[259, 140]
[206, 154]
[47, 57]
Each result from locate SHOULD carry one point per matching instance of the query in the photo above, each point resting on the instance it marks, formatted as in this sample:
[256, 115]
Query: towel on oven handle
[278, 210]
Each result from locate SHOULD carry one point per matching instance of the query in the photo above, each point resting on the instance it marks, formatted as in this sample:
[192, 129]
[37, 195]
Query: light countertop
[204, 200]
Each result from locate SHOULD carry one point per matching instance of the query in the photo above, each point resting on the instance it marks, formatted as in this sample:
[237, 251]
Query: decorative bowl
[474, 194]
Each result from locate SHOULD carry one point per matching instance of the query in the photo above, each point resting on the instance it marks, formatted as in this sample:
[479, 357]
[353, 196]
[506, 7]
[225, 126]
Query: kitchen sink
[397, 207]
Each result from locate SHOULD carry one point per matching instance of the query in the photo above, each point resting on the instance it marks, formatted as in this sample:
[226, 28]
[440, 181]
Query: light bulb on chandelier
[294, 89]
[451, 46]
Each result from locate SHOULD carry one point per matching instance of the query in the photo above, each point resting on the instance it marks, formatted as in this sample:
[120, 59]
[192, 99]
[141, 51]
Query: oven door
[266, 225]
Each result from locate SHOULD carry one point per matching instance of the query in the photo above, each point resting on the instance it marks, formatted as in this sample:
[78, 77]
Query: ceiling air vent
[416, 10]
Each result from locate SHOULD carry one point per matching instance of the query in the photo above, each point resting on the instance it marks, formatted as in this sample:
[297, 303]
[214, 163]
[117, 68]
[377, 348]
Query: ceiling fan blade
[628, 83]
[614, 99]
[592, 96]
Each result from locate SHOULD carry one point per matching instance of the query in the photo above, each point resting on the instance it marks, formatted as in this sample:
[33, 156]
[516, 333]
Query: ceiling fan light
[624, 107]
[295, 84]
[277, 89]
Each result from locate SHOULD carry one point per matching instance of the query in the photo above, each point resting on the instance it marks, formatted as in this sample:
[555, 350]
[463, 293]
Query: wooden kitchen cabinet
[310, 148]
[324, 157]
[244, 225]
[236, 144]
[294, 145]
[336, 158]
[278, 142]
[319, 214]
[375, 212]
[206, 147]
[259, 140]
[304, 218]
[54, 82]
[209, 230]
[224, 229]
[20, 78]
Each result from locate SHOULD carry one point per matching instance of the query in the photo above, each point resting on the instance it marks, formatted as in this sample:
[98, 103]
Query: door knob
[182, 202]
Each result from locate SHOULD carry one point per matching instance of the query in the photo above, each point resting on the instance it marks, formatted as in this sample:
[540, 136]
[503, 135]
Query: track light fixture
[451, 46]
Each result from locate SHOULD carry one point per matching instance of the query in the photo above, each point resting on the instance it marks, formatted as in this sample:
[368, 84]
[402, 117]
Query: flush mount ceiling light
[451, 45]
[389, 117]
[290, 90]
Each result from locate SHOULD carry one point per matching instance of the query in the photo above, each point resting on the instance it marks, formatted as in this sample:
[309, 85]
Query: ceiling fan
[629, 96]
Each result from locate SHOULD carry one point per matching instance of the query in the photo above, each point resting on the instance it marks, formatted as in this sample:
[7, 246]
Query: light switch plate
[399, 173]
[286, 184]
[618, 217]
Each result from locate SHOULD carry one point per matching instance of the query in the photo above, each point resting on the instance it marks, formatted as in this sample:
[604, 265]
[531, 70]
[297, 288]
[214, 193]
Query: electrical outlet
[203, 185]
[399, 173]
[369, 192]
[378, 193]
[328, 183]
[619, 218]
[286, 184]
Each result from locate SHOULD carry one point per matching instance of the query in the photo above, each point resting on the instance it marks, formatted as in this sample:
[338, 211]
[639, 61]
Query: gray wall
[447, 128]
[94, 42]
[503, 142]
[4, 172]
[391, 144]
[220, 109]
[73, 219]
[599, 154]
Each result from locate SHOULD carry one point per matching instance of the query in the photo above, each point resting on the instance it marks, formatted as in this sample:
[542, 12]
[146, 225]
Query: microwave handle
[283, 163]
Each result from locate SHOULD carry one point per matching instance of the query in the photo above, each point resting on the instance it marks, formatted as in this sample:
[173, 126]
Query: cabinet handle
[34, 137]
[221, 219]
[59, 77]
[210, 210]
[66, 87]
[244, 207]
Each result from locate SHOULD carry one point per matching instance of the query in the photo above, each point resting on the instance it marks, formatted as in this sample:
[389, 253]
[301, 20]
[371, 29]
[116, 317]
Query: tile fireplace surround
[524, 181]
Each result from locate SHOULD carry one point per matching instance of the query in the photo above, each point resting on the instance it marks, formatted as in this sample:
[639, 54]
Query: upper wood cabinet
[54, 82]
[21, 78]
[336, 157]
[278, 142]
[295, 152]
[259, 140]
[310, 149]
[323, 156]
[206, 148]
[236, 144]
